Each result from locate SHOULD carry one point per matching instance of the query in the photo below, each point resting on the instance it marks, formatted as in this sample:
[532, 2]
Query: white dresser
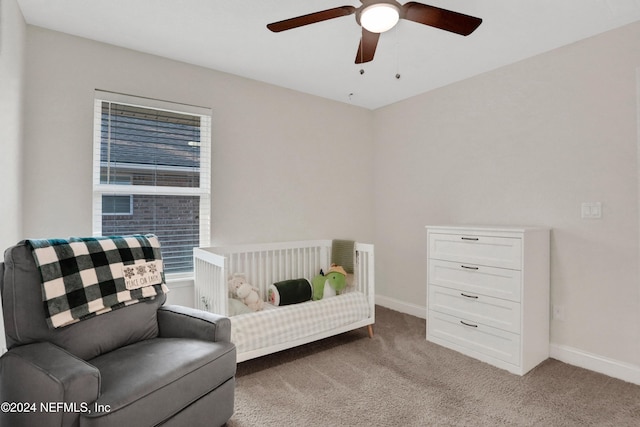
[488, 293]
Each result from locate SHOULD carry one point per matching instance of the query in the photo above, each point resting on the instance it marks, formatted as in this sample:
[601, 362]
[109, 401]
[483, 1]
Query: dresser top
[493, 228]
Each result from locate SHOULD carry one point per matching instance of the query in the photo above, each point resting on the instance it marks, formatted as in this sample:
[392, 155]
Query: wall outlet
[558, 312]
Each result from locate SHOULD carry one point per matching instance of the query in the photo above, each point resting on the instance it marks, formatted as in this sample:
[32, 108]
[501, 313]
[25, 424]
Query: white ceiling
[231, 36]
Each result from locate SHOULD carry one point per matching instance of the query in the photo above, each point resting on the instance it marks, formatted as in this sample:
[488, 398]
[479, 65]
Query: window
[117, 205]
[151, 173]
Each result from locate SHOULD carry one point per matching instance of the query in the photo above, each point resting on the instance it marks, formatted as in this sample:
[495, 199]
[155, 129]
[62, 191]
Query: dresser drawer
[503, 252]
[488, 341]
[476, 279]
[494, 312]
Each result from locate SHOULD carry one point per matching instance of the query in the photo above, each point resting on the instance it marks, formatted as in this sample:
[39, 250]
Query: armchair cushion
[144, 383]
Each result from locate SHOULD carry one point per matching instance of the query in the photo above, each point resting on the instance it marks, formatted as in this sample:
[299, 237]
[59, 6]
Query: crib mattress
[265, 328]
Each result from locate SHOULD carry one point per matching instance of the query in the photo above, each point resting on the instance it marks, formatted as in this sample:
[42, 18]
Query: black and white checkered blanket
[85, 277]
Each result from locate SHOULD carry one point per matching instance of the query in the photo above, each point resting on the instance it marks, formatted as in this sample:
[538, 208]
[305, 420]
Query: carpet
[398, 378]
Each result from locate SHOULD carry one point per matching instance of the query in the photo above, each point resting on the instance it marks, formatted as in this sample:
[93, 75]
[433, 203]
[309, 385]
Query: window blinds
[155, 156]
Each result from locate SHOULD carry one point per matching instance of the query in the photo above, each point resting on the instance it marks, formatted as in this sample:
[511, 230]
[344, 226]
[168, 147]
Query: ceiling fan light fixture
[380, 17]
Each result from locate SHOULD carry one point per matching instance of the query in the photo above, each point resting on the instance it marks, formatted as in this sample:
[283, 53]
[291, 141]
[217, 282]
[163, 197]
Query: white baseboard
[604, 365]
[401, 306]
[573, 356]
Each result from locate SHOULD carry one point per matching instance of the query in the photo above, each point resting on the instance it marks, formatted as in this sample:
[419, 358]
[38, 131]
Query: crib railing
[210, 281]
[267, 263]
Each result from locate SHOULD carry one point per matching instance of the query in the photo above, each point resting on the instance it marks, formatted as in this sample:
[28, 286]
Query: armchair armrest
[176, 321]
[44, 374]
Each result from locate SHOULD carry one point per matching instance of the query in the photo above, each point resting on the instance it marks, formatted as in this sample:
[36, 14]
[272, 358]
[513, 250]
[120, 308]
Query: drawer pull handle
[469, 268]
[475, 239]
[469, 324]
[469, 296]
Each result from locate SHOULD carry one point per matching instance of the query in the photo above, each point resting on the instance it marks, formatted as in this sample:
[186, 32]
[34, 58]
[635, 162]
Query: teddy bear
[240, 289]
[250, 297]
[234, 283]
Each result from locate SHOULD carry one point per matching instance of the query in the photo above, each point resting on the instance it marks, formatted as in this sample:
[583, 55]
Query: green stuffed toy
[336, 279]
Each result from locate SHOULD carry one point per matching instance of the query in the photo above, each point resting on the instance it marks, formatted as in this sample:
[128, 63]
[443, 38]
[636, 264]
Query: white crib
[259, 333]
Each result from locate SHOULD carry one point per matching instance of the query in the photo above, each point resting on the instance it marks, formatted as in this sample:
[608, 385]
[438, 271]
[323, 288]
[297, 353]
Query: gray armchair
[140, 365]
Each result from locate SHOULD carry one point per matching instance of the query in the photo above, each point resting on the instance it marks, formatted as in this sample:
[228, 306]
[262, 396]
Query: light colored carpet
[399, 379]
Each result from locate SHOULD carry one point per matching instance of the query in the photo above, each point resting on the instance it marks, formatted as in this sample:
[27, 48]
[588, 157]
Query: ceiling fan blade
[311, 18]
[367, 46]
[443, 19]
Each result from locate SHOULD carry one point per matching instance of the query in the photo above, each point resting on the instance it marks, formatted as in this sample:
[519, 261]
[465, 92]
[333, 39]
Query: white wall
[12, 40]
[285, 165]
[526, 144]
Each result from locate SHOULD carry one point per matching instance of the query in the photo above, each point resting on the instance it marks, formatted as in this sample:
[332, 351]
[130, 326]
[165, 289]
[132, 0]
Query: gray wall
[12, 47]
[526, 144]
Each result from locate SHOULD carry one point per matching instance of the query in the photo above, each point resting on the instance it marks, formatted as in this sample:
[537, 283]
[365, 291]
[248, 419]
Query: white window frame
[204, 189]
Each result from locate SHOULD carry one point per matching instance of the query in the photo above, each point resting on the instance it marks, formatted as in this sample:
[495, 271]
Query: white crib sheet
[271, 327]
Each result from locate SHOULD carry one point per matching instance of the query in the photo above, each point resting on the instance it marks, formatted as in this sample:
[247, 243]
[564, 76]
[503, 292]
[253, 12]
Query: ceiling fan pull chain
[361, 51]
[397, 35]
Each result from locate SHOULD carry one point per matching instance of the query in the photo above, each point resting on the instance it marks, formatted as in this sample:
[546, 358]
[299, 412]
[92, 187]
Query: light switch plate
[591, 210]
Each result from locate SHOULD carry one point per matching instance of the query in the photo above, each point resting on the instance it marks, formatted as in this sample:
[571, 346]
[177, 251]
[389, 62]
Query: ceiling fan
[378, 16]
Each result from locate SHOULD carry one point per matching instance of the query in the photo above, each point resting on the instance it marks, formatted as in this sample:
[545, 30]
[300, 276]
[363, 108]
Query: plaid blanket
[85, 277]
